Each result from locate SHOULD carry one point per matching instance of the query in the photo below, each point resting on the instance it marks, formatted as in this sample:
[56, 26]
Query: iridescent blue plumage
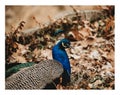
[59, 54]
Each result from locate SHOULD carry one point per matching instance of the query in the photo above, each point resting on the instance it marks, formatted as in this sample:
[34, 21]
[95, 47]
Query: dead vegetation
[92, 55]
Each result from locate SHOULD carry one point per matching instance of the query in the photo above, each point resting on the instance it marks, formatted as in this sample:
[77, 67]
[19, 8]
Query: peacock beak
[71, 47]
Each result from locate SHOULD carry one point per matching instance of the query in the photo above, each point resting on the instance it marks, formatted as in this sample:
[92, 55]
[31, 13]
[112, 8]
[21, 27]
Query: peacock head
[64, 43]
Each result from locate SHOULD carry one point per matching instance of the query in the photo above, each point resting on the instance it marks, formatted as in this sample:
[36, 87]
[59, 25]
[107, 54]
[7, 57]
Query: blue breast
[61, 56]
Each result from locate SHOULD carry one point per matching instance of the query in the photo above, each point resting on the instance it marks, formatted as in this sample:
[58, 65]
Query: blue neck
[60, 55]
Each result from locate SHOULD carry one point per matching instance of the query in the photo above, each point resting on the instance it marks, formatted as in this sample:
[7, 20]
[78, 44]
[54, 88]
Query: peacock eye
[65, 45]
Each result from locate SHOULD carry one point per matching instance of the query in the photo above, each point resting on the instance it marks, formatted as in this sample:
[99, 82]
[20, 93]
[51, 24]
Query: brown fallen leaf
[85, 32]
[18, 58]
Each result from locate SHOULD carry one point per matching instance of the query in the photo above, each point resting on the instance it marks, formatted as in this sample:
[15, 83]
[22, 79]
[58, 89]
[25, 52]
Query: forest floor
[29, 39]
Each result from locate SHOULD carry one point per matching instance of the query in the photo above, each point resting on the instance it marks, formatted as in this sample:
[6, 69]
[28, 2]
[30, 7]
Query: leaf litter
[92, 55]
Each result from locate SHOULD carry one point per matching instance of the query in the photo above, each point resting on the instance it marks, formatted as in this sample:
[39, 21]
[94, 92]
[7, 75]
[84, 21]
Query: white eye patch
[65, 45]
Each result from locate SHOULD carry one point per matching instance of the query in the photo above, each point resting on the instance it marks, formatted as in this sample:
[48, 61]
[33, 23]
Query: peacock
[43, 75]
